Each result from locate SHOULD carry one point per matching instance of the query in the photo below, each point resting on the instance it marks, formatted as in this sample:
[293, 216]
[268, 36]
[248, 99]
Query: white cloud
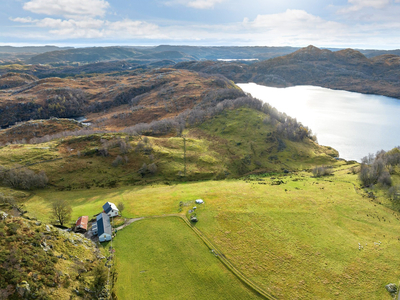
[22, 20]
[357, 5]
[67, 8]
[294, 23]
[198, 4]
[94, 28]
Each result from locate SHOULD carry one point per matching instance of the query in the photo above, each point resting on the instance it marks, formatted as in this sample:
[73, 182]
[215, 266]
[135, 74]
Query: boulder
[23, 289]
[391, 288]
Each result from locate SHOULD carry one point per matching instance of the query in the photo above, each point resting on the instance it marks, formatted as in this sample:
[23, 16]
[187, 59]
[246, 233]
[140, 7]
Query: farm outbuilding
[94, 228]
[81, 224]
[110, 209]
[104, 227]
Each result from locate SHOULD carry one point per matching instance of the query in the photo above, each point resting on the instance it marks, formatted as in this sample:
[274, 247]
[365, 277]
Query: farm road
[128, 222]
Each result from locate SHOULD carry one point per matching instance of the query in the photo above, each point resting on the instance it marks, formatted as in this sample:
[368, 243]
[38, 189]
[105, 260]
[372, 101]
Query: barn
[104, 229]
[81, 224]
[110, 209]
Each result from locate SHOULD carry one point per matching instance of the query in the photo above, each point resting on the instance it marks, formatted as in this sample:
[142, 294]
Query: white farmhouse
[110, 209]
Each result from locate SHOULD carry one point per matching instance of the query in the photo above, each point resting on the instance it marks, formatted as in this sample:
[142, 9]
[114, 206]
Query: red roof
[82, 222]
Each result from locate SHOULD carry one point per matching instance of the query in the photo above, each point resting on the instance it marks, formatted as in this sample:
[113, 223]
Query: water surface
[354, 124]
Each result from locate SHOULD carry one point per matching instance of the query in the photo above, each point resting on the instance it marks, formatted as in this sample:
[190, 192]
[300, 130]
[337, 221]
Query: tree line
[23, 178]
[378, 168]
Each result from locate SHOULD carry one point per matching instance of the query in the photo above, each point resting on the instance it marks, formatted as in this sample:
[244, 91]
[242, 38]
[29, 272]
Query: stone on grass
[391, 288]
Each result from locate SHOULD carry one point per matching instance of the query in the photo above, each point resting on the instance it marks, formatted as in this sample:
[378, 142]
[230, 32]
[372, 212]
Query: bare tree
[152, 168]
[121, 207]
[61, 211]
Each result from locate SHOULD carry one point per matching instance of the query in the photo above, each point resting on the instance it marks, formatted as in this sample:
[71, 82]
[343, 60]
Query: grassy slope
[164, 259]
[298, 240]
[231, 144]
[301, 243]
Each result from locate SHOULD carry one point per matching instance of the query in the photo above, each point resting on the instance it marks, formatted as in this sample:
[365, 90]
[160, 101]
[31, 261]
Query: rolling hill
[346, 69]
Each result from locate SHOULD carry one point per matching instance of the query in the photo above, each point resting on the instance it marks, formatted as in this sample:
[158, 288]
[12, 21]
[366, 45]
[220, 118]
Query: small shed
[110, 209]
[199, 201]
[104, 227]
[81, 224]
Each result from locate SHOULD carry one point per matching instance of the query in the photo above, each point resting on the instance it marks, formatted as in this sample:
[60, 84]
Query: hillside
[85, 55]
[219, 148]
[39, 261]
[346, 69]
[10, 53]
[100, 54]
[109, 101]
[37, 129]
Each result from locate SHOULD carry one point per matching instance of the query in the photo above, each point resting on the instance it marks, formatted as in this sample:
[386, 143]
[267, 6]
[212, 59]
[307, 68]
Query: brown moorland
[109, 101]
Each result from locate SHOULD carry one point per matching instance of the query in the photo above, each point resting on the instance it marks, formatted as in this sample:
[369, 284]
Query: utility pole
[184, 157]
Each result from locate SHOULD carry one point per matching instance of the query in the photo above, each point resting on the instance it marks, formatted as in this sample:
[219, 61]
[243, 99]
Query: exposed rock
[391, 288]
[23, 289]
[3, 215]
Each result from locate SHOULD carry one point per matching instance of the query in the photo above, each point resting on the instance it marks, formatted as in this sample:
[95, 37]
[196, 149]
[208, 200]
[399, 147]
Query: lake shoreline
[355, 124]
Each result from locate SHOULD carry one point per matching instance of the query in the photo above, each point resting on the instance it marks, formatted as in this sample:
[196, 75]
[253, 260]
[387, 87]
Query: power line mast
[184, 157]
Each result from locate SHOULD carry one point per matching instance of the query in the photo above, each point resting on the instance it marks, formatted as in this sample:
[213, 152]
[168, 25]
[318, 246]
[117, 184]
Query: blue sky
[336, 23]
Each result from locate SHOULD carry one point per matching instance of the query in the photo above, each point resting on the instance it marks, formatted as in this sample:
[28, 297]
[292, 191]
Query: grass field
[163, 259]
[297, 240]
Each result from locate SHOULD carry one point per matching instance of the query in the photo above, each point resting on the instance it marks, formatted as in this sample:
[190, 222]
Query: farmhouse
[104, 227]
[81, 224]
[110, 209]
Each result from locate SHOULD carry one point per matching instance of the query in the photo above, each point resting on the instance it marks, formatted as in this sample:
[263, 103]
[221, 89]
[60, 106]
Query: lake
[354, 124]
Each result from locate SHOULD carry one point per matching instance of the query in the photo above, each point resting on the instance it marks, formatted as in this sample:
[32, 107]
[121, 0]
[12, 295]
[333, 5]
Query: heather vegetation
[39, 261]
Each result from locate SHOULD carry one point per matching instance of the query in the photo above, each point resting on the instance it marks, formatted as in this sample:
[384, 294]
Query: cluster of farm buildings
[102, 226]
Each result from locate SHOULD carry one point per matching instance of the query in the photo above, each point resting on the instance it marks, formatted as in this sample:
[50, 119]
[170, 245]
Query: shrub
[23, 178]
[117, 161]
[385, 179]
[152, 168]
[321, 171]
[143, 170]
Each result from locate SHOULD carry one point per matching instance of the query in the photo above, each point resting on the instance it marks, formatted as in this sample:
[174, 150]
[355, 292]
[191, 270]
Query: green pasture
[294, 235]
[163, 258]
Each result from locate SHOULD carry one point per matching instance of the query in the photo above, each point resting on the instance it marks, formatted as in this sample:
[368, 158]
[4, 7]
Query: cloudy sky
[332, 23]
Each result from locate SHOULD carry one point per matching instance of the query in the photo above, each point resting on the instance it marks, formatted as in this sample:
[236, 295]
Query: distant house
[110, 209]
[81, 224]
[104, 229]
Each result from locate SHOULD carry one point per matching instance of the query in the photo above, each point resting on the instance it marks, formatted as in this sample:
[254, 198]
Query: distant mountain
[373, 53]
[101, 54]
[84, 55]
[229, 52]
[31, 49]
[17, 53]
[346, 69]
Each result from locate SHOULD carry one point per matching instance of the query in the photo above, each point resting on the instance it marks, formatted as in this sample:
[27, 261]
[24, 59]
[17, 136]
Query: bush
[23, 178]
[321, 171]
[117, 161]
[385, 179]
[152, 168]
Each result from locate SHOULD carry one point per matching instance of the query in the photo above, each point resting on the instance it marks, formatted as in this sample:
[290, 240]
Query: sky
[362, 24]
